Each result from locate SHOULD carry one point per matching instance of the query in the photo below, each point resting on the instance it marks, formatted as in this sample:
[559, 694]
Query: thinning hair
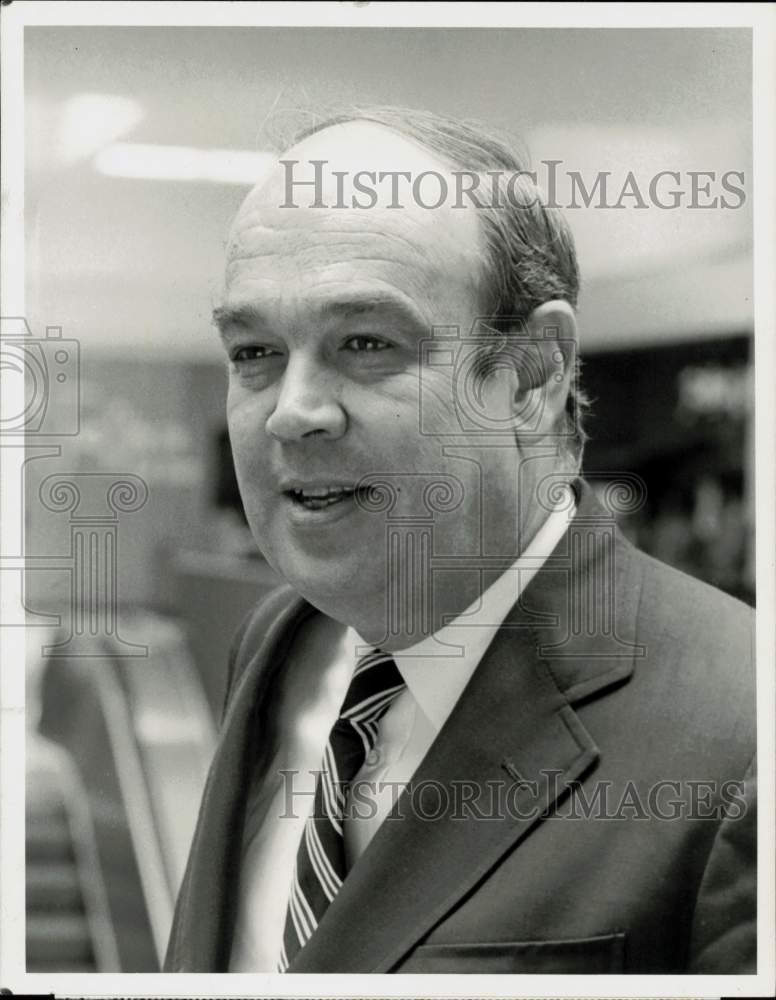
[530, 256]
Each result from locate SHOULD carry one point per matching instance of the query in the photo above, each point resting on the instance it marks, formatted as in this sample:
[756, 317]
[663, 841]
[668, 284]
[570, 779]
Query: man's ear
[547, 346]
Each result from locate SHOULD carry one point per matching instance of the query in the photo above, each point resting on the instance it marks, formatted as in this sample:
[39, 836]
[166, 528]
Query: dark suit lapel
[200, 940]
[513, 739]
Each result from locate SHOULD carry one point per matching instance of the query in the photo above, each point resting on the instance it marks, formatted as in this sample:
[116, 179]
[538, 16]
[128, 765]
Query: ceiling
[129, 264]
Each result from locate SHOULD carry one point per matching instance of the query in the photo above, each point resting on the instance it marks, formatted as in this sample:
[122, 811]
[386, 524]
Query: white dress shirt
[309, 706]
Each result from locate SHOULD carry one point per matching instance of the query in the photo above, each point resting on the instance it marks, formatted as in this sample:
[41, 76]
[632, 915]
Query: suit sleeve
[724, 929]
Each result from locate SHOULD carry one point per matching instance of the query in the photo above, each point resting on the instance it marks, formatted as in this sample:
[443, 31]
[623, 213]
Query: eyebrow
[243, 315]
[249, 314]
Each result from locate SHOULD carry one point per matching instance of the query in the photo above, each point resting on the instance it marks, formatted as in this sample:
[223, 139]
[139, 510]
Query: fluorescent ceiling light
[181, 163]
[88, 122]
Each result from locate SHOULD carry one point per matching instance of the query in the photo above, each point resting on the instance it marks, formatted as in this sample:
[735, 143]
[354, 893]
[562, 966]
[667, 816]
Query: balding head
[321, 186]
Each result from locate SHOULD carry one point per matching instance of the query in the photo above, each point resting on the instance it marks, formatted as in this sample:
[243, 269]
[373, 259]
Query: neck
[411, 609]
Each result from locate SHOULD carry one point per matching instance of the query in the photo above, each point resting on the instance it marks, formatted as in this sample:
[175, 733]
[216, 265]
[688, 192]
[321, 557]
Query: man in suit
[478, 731]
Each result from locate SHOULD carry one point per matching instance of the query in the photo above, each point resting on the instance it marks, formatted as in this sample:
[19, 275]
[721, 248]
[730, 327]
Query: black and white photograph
[388, 484]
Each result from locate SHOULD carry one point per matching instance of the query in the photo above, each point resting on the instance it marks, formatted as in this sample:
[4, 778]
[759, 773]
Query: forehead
[425, 254]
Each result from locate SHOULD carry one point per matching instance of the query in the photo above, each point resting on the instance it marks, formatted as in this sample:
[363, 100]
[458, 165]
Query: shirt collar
[436, 679]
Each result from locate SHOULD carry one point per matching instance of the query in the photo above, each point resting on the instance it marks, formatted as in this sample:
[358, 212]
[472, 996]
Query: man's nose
[307, 404]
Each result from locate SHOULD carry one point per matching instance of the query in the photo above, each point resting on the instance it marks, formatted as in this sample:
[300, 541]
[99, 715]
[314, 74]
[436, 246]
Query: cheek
[246, 421]
[246, 417]
[436, 404]
[413, 413]
[382, 415]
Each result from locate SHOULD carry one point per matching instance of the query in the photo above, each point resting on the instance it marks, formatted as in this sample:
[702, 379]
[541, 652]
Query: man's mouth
[319, 497]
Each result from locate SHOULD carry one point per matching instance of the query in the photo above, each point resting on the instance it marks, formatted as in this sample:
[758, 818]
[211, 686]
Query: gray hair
[530, 256]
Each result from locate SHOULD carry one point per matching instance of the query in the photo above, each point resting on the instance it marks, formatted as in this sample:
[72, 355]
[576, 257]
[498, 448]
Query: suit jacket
[612, 722]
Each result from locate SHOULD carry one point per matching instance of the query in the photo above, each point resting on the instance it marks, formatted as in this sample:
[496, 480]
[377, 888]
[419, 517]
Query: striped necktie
[320, 860]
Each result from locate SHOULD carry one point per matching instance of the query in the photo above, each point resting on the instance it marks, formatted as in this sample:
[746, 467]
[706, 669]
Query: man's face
[323, 315]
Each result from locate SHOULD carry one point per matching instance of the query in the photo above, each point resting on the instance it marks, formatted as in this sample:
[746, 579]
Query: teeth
[321, 492]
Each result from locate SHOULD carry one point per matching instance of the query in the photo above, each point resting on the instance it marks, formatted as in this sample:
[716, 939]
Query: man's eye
[365, 343]
[256, 353]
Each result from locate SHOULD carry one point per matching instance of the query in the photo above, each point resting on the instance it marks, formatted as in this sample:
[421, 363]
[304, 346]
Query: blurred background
[141, 143]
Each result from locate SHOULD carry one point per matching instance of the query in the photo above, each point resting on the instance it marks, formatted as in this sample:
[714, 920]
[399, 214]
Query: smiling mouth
[320, 498]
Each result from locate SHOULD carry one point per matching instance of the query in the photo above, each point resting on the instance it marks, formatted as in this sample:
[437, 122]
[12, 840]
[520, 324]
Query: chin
[332, 582]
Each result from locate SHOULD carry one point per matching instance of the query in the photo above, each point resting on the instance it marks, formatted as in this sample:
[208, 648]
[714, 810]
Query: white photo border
[762, 20]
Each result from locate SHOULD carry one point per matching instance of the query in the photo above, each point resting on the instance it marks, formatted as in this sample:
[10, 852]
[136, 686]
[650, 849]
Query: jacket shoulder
[699, 646]
[691, 612]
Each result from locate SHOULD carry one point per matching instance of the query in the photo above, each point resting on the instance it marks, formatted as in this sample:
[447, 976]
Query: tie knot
[375, 683]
